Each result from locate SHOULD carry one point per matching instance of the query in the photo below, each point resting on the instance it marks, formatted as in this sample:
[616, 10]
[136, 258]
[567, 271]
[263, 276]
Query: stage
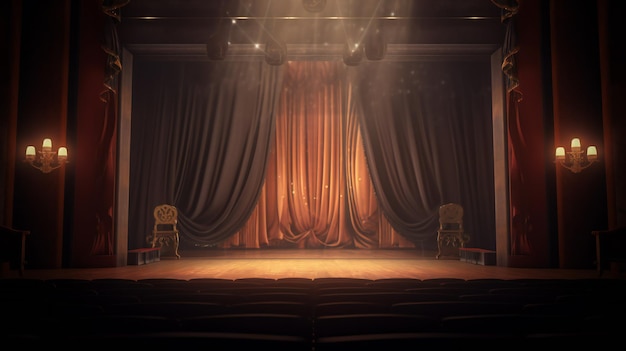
[281, 263]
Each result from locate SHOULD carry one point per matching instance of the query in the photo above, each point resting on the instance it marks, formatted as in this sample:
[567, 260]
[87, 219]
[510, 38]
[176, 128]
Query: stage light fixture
[314, 5]
[275, 52]
[217, 45]
[353, 55]
[375, 46]
[216, 48]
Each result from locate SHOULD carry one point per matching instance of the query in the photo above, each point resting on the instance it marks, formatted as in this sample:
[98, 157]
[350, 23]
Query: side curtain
[520, 202]
[201, 135]
[427, 130]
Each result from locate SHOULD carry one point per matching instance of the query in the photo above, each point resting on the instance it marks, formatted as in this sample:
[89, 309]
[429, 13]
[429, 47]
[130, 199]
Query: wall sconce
[46, 160]
[577, 159]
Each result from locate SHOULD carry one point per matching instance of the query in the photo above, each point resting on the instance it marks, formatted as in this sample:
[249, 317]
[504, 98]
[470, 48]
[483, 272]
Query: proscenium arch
[394, 52]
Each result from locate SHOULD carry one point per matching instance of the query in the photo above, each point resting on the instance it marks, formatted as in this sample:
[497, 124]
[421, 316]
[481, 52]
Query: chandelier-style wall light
[577, 159]
[46, 160]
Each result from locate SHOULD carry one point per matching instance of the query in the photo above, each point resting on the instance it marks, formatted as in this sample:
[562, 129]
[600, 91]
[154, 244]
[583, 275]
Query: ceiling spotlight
[275, 53]
[230, 7]
[352, 56]
[216, 49]
[314, 5]
[375, 46]
[217, 45]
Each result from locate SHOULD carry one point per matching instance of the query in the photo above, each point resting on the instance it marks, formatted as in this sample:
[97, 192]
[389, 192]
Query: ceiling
[241, 29]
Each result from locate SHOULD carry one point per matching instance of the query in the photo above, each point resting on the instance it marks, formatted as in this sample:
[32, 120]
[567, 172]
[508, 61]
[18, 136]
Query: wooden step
[144, 256]
[477, 256]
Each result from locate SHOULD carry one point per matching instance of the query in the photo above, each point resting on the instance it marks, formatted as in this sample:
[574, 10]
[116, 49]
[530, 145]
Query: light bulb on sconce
[46, 160]
[577, 159]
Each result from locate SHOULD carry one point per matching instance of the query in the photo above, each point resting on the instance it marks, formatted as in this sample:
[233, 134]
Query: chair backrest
[451, 217]
[165, 218]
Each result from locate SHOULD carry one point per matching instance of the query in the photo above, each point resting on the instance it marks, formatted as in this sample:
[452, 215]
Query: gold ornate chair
[165, 230]
[450, 235]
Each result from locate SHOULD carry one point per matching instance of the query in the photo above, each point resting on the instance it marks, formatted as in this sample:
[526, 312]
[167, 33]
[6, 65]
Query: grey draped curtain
[200, 141]
[311, 154]
[428, 139]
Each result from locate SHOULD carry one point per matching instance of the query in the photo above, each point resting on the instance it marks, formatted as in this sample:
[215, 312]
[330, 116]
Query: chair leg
[176, 242]
[170, 238]
[438, 247]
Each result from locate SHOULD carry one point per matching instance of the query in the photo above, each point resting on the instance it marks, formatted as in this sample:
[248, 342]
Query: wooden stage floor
[281, 263]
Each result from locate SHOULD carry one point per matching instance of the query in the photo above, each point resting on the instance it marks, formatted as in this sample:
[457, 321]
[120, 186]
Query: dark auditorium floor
[222, 300]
